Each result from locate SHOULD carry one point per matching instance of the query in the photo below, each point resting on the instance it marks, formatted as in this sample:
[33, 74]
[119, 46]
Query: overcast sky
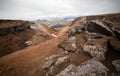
[35, 9]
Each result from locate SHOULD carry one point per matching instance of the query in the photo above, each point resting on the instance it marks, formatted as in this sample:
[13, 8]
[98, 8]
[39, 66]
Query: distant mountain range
[68, 18]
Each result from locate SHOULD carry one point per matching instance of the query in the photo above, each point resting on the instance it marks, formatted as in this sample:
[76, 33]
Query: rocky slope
[9, 26]
[88, 47]
[17, 34]
[98, 33]
[93, 35]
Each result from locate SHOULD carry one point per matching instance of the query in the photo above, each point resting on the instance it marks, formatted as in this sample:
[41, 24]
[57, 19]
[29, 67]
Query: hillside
[17, 34]
[89, 46]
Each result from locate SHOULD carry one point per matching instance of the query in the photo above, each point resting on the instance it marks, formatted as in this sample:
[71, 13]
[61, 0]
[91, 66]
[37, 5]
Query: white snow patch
[54, 35]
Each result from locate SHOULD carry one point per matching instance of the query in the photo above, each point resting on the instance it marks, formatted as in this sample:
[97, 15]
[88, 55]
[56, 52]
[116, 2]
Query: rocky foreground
[90, 46]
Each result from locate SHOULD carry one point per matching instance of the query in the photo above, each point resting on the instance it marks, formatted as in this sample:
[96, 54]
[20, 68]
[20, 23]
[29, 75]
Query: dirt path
[63, 31]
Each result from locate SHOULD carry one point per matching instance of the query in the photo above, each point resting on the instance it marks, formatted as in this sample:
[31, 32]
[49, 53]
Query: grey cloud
[33, 9]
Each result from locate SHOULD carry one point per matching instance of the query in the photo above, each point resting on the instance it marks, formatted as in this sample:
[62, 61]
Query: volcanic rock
[92, 36]
[80, 26]
[98, 26]
[60, 62]
[69, 44]
[96, 48]
[89, 68]
[50, 61]
[9, 26]
[68, 71]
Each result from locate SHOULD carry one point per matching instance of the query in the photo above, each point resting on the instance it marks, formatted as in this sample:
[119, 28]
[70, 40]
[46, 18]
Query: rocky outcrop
[89, 68]
[94, 24]
[69, 44]
[54, 63]
[68, 71]
[113, 17]
[50, 61]
[61, 62]
[97, 31]
[97, 26]
[96, 48]
[80, 26]
[13, 28]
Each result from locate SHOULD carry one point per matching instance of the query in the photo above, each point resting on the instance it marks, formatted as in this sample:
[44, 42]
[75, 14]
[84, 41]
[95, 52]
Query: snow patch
[54, 35]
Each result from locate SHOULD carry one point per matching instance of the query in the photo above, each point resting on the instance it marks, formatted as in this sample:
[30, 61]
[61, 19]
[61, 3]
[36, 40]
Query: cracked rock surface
[89, 68]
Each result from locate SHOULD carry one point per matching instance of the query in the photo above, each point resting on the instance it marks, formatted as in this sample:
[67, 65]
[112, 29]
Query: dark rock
[3, 32]
[116, 63]
[98, 26]
[95, 26]
[14, 29]
[116, 74]
[115, 43]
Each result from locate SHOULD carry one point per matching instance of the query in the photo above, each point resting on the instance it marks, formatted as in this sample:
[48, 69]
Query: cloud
[34, 9]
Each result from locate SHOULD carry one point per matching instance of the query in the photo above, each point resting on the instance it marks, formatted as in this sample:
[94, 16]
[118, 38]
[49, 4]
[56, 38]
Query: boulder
[69, 44]
[60, 62]
[54, 63]
[68, 71]
[80, 26]
[50, 61]
[96, 48]
[91, 67]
